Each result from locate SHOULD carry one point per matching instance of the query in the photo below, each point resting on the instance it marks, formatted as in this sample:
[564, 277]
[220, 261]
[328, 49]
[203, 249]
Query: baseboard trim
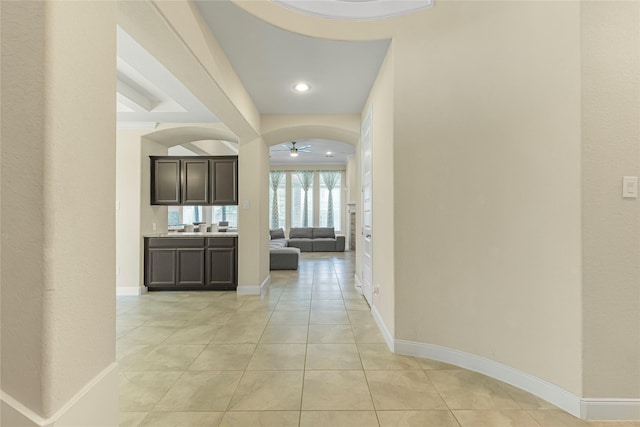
[588, 409]
[388, 336]
[66, 412]
[357, 283]
[130, 290]
[254, 289]
[536, 386]
[610, 409]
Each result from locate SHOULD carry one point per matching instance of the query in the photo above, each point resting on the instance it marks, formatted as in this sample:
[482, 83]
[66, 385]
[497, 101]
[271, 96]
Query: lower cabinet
[197, 263]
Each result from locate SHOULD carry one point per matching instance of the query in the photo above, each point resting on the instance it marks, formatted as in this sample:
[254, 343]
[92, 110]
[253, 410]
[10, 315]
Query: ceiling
[318, 155]
[268, 61]
[148, 94]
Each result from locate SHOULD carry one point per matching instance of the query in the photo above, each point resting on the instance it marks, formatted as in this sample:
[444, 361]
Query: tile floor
[306, 354]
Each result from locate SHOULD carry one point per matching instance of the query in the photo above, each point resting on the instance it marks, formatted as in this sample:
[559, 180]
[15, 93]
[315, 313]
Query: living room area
[312, 200]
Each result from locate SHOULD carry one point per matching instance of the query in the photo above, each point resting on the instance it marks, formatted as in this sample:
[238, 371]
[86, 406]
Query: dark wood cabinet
[161, 267]
[221, 261]
[165, 181]
[191, 263]
[197, 180]
[224, 181]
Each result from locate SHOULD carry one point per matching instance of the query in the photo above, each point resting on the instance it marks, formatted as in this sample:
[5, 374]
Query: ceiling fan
[293, 150]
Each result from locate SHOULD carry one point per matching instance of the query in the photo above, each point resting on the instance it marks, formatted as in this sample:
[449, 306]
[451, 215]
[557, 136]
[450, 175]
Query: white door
[366, 138]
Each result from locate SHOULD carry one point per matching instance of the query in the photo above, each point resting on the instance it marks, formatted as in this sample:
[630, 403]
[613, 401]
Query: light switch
[245, 204]
[630, 187]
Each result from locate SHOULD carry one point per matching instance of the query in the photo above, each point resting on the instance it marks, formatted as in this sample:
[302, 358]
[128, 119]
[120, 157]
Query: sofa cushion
[284, 258]
[277, 233]
[301, 233]
[277, 243]
[324, 245]
[305, 245]
[323, 233]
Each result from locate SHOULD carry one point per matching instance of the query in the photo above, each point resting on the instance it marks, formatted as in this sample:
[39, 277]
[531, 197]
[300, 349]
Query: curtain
[330, 179]
[306, 180]
[276, 178]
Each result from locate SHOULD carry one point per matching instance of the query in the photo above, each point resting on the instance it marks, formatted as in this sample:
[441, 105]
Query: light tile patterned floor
[306, 354]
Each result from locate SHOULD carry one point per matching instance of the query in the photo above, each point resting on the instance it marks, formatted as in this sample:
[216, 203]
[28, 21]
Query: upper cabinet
[165, 181]
[195, 182]
[211, 180]
[224, 181]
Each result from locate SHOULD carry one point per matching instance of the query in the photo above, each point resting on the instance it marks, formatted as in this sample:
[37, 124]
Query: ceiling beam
[133, 98]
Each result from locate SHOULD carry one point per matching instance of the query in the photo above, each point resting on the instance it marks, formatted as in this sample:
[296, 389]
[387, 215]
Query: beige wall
[128, 181]
[381, 101]
[487, 184]
[253, 220]
[611, 224]
[22, 176]
[58, 174]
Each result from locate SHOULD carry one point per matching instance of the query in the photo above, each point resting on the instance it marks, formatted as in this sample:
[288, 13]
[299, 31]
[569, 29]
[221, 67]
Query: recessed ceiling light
[329, 154]
[301, 87]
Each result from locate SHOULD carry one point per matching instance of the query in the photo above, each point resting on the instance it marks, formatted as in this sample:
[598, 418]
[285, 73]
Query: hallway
[307, 354]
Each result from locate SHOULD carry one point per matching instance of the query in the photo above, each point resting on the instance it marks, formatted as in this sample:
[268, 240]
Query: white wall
[58, 174]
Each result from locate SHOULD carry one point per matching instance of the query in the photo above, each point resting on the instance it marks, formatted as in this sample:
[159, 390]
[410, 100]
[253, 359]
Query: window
[178, 215]
[302, 199]
[330, 212]
[277, 199]
[191, 214]
[225, 213]
[306, 199]
[174, 215]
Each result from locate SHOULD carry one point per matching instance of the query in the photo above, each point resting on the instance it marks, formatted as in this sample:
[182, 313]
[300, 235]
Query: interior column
[57, 213]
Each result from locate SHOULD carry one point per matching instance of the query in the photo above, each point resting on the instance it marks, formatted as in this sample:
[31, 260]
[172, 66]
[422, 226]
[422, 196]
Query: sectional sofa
[281, 256]
[284, 253]
[316, 239]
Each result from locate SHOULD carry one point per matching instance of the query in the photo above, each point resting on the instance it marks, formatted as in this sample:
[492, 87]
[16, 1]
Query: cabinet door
[224, 181]
[165, 182]
[161, 267]
[221, 268]
[195, 182]
[190, 267]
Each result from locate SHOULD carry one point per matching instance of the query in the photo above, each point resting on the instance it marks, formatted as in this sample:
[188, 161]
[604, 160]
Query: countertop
[184, 234]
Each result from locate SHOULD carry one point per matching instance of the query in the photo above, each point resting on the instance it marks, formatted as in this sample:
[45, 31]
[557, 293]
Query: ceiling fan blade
[304, 147]
[304, 151]
[287, 146]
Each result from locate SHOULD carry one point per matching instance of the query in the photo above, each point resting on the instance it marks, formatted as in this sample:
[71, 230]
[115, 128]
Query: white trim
[37, 420]
[589, 409]
[358, 284]
[388, 336]
[130, 290]
[610, 409]
[254, 289]
[358, 10]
